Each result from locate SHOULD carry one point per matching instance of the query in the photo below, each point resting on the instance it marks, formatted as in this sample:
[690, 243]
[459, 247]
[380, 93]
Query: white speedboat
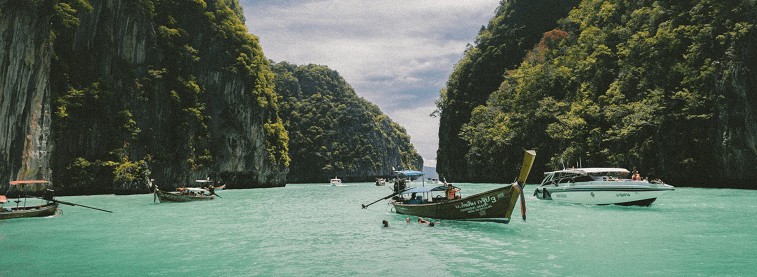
[599, 186]
[336, 182]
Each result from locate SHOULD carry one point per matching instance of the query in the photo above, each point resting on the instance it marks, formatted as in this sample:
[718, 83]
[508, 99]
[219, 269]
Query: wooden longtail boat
[47, 209]
[29, 211]
[495, 205]
[184, 195]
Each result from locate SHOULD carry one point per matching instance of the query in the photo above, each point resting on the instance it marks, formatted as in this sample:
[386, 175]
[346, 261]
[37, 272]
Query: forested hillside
[169, 90]
[669, 87]
[335, 133]
[500, 46]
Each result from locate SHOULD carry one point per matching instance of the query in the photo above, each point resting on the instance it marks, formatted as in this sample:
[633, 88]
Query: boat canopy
[425, 189]
[591, 170]
[26, 182]
[193, 189]
[409, 173]
[3, 199]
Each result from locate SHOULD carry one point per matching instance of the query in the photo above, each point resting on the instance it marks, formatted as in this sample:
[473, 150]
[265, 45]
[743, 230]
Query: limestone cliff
[25, 52]
[666, 87]
[131, 90]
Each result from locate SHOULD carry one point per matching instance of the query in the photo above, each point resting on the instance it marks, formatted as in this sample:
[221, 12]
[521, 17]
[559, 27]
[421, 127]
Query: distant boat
[380, 182]
[184, 195]
[599, 186]
[207, 183]
[336, 181]
[495, 205]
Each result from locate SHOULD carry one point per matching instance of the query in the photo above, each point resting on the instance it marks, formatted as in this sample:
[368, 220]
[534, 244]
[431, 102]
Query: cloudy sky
[397, 54]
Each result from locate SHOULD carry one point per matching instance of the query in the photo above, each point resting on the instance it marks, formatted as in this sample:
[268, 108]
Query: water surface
[318, 229]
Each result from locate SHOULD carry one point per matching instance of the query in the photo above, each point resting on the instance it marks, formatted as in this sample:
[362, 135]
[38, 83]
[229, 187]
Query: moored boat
[599, 186]
[208, 184]
[44, 209]
[494, 205]
[184, 195]
[48, 208]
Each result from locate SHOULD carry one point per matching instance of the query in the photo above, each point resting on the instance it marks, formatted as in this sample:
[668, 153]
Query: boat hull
[494, 205]
[30, 211]
[165, 196]
[625, 195]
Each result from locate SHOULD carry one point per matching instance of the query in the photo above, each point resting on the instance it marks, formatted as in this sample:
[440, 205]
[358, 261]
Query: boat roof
[193, 189]
[590, 170]
[26, 182]
[3, 199]
[425, 189]
[409, 173]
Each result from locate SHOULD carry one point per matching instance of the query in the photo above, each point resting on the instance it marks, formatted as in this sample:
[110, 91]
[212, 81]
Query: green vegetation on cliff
[333, 132]
[665, 86]
[169, 84]
[499, 47]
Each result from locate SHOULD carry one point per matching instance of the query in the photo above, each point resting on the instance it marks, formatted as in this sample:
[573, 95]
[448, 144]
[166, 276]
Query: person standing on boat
[451, 191]
[635, 176]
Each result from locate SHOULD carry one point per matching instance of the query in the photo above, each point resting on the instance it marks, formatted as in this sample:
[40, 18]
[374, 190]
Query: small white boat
[380, 181]
[599, 186]
[336, 182]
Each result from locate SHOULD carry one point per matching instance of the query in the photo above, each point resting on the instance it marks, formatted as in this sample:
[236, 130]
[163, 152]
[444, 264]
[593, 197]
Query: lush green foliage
[333, 132]
[665, 86]
[500, 46]
[112, 110]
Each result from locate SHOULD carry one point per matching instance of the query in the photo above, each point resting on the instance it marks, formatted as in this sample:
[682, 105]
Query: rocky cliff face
[25, 52]
[173, 91]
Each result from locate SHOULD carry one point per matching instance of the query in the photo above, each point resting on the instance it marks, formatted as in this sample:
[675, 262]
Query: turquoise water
[317, 229]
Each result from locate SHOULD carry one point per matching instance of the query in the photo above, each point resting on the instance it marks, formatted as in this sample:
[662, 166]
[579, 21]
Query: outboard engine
[48, 194]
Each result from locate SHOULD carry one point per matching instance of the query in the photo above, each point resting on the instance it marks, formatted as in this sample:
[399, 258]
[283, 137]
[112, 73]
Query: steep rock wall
[25, 51]
[172, 97]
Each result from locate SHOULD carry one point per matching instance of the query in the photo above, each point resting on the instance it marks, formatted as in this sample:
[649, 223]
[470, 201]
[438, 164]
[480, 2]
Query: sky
[397, 54]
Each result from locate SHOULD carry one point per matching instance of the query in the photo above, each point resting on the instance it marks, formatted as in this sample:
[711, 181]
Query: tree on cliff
[333, 132]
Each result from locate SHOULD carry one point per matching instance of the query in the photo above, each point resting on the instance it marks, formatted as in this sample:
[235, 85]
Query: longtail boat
[184, 195]
[47, 209]
[495, 205]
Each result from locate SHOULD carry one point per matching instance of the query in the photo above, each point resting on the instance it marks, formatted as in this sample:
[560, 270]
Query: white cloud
[422, 128]
[397, 54]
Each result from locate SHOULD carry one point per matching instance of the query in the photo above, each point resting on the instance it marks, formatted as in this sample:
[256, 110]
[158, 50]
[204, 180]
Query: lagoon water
[317, 229]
